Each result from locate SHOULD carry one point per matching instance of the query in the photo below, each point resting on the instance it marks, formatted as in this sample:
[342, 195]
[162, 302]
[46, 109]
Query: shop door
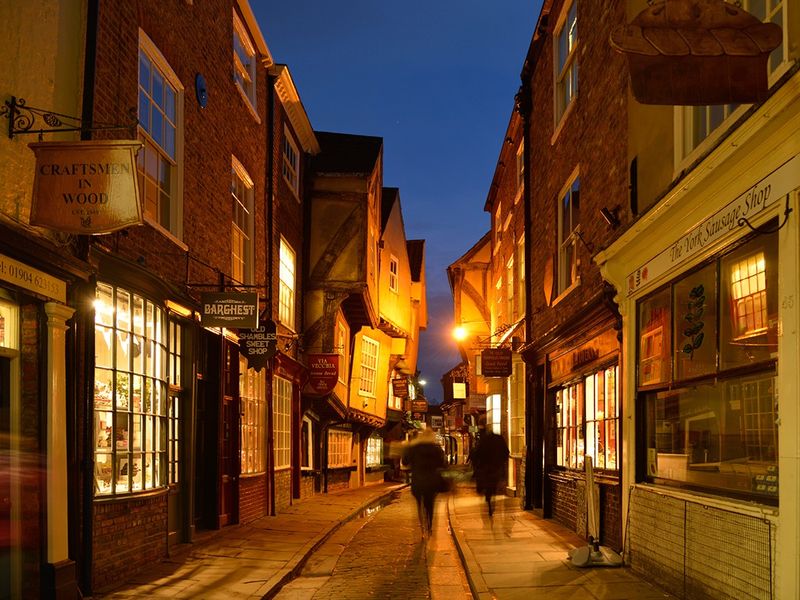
[206, 446]
[229, 449]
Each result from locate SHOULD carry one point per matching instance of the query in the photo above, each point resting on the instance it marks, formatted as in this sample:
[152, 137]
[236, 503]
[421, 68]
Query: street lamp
[460, 333]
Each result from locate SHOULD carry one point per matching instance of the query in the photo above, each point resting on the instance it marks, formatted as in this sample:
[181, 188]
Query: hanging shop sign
[33, 280]
[459, 390]
[323, 372]
[419, 406]
[748, 205]
[259, 345]
[400, 387]
[496, 362]
[697, 52]
[229, 309]
[86, 188]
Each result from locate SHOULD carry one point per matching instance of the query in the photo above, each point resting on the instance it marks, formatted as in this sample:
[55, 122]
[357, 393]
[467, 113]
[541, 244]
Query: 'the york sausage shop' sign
[86, 187]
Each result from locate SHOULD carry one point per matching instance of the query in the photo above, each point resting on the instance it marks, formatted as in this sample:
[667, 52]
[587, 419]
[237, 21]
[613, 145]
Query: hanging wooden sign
[697, 52]
[323, 372]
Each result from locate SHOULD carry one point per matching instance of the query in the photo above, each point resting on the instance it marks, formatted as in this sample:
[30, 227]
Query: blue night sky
[436, 80]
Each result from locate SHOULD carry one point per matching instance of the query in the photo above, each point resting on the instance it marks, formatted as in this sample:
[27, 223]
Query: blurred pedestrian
[489, 461]
[425, 460]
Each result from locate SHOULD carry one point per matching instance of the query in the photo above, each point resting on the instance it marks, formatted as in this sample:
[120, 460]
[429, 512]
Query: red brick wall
[283, 489]
[338, 479]
[252, 497]
[564, 495]
[611, 516]
[308, 486]
[128, 536]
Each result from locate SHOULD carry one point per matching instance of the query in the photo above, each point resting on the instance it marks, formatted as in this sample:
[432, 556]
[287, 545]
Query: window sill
[378, 468]
[566, 292]
[132, 496]
[252, 475]
[340, 468]
[166, 233]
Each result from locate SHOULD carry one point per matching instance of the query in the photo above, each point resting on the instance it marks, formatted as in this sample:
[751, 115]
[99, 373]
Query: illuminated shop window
[569, 427]
[711, 421]
[307, 444]
[136, 410]
[339, 448]
[602, 417]
[374, 451]
[281, 418]
[253, 406]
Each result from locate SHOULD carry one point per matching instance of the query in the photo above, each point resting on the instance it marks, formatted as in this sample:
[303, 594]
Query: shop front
[708, 286]
[583, 403]
[36, 458]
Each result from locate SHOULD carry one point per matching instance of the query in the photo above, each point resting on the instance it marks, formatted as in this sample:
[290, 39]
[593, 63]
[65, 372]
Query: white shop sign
[749, 204]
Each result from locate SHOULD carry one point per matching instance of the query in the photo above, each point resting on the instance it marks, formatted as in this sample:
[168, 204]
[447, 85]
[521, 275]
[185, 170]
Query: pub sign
[234, 310]
[323, 372]
[496, 362]
[400, 387]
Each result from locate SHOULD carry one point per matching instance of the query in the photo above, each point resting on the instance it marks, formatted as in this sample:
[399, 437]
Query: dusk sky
[436, 80]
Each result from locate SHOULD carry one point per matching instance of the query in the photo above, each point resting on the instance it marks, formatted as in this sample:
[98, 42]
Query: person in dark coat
[489, 461]
[425, 460]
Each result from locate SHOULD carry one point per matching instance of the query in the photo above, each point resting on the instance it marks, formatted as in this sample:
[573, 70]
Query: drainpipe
[533, 446]
[269, 272]
[86, 318]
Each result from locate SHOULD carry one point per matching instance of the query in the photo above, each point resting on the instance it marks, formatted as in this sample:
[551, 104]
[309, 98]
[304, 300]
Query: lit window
[135, 409]
[510, 315]
[569, 432]
[339, 448]
[287, 285]
[291, 167]
[749, 294]
[517, 409]
[602, 417]
[342, 347]
[244, 61]
[566, 71]
[393, 279]
[252, 391]
[568, 220]
[281, 419]
[369, 366]
[521, 271]
[160, 96]
[307, 444]
[241, 224]
[493, 413]
[174, 345]
[374, 451]
[520, 169]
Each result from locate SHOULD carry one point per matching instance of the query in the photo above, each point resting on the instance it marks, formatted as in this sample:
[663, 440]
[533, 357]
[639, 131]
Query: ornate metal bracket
[22, 118]
[762, 230]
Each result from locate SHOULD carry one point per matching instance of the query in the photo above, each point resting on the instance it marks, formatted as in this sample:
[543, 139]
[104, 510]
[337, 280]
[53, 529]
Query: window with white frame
[342, 348]
[160, 129]
[520, 169]
[174, 353]
[374, 451]
[252, 392]
[702, 122]
[393, 278]
[339, 448]
[241, 223]
[287, 285]
[281, 421]
[568, 221]
[566, 58]
[291, 162]
[369, 366]
[516, 412]
[136, 415]
[498, 228]
[307, 444]
[244, 61]
[521, 273]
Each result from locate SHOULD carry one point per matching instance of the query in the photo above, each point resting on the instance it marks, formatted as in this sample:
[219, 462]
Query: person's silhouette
[425, 459]
[489, 461]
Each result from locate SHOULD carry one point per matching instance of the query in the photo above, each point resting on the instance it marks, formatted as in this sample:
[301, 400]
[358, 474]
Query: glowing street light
[460, 333]
[422, 382]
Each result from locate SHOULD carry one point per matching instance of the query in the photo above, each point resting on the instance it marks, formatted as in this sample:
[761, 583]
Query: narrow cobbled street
[359, 562]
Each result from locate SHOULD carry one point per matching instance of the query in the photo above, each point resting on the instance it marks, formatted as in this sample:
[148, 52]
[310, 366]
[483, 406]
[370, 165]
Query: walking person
[425, 460]
[489, 461]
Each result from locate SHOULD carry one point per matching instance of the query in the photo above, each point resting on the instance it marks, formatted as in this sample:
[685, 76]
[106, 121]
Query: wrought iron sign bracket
[22, 120]
[762, 230]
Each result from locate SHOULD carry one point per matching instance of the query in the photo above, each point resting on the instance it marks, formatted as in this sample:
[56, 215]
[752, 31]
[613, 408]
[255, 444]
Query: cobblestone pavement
[384, 556]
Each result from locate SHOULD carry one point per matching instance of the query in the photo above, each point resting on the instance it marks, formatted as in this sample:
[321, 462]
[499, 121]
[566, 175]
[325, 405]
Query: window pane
[722, 436]
[749, 307]
[655, 342]
[695, 301]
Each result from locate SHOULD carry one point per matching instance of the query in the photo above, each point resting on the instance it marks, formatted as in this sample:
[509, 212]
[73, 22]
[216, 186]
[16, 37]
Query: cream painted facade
[761, 155]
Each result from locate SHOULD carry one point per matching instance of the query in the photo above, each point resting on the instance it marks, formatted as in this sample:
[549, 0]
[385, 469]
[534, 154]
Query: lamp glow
[460, 333]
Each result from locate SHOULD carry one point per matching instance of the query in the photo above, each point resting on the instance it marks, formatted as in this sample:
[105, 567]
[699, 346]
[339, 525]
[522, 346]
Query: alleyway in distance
[384, 556]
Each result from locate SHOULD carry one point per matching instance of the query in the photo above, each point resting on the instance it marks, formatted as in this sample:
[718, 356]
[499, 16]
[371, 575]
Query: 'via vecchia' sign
[234, 310]
[88, 187]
